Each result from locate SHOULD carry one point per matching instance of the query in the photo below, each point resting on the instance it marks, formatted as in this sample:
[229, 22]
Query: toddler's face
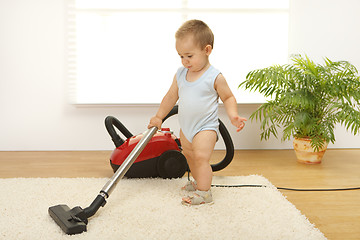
[192, 56]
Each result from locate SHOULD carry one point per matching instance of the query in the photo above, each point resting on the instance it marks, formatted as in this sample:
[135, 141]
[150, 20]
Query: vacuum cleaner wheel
[172, 164]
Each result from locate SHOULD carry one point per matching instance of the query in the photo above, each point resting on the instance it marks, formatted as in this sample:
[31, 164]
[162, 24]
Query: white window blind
[123, 52]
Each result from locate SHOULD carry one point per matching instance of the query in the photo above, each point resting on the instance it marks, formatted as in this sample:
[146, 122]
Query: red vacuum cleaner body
[161, 157]
[161, 142]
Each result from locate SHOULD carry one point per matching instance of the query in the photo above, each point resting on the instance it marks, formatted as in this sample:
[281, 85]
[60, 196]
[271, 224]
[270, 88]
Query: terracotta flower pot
[305, 153]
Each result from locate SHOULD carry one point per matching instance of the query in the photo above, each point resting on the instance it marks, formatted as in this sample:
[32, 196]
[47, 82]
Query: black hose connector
[95, 205]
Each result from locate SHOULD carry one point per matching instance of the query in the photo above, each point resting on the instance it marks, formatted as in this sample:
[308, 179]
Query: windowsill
[109, 105]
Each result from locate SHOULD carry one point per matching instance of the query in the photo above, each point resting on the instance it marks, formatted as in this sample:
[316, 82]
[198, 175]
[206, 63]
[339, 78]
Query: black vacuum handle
[110, 122]
[227, 140]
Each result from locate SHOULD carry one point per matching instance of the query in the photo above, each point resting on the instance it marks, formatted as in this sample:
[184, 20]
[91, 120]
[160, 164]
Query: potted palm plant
[307, 101]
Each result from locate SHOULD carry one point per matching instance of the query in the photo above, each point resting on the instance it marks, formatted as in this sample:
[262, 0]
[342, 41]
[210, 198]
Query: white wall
[35, 113]
[325, 28]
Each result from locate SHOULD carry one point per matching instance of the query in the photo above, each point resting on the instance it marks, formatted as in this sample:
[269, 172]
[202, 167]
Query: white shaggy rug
[151, 209]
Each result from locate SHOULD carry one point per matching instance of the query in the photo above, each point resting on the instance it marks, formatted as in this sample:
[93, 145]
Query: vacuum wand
[74, 221]
[119, 174]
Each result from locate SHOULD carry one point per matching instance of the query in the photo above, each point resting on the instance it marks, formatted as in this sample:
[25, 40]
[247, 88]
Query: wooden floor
[336, 213]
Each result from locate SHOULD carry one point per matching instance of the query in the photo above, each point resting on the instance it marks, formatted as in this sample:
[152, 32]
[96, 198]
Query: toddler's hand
[238, 122]
[155, 122]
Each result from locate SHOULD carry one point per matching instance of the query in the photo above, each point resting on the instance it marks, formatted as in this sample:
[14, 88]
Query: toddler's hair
[201, 32]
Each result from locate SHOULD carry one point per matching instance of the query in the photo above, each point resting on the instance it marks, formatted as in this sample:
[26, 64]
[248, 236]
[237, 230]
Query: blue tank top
[198, 102]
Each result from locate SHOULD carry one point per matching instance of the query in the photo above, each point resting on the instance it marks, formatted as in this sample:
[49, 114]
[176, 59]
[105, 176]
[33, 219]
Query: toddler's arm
[228, 98]
[166, 105]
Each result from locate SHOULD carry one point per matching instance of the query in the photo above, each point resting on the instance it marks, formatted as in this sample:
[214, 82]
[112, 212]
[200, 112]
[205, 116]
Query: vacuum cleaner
[161, 159]
[162, 156]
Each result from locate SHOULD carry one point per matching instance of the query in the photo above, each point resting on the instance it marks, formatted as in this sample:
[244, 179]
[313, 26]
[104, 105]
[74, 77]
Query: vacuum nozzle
[74, 221]
[67, 219]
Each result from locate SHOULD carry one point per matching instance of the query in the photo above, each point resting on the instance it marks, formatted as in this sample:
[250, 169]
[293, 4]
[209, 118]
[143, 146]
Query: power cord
[291, 189]
[319, 190]
[283, 188]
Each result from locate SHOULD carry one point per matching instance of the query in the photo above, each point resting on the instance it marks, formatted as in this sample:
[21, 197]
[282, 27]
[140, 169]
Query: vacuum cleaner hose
[229, 145]
[173, 111]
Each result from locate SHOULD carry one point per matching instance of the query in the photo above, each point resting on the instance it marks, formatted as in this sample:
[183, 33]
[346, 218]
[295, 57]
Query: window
[123, 52]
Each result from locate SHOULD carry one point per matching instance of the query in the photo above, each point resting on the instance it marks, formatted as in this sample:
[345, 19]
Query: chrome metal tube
[124, 167]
